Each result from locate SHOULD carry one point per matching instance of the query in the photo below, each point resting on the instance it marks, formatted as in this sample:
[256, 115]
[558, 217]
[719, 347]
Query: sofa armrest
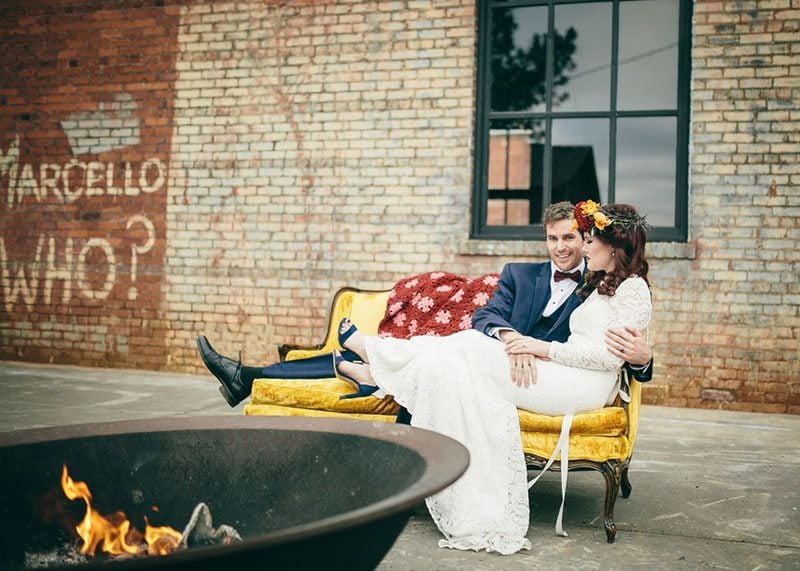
[632, 408]
[365, 307]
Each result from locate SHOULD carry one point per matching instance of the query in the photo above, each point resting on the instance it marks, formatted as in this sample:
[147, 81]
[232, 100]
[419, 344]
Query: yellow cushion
[583, 447]
[318, 394]
[609, 421]
[251, 409]
[323, 394]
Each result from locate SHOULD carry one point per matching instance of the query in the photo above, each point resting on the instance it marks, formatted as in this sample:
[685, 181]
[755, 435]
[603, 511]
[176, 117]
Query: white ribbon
[561, 446]
[624, 384]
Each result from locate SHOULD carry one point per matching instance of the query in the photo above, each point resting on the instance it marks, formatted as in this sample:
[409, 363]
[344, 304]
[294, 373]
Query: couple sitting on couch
[551, 339]
[525, 291]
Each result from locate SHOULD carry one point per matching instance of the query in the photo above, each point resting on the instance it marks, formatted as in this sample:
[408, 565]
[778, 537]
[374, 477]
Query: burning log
[114, 535]
[199, 530]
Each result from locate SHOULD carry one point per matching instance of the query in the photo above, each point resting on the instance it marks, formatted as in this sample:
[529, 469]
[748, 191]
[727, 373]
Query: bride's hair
[627, 237]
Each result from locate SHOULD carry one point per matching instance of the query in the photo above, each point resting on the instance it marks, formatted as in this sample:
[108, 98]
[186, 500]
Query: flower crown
[589, 216]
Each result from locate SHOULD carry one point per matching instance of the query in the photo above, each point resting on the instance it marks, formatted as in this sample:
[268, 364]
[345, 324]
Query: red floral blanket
[436, 303]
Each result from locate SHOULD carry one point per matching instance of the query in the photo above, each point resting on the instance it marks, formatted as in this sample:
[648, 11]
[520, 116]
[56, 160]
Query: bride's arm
[629, 307]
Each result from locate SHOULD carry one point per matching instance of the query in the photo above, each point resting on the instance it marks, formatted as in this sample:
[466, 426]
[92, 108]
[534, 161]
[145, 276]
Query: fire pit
[303, 493]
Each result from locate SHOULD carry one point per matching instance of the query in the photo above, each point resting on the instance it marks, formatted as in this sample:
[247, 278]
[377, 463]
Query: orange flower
[574, 225]
[601, 220]
[589, 207]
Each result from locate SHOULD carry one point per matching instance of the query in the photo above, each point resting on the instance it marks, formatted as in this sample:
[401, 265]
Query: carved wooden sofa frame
[600, 440]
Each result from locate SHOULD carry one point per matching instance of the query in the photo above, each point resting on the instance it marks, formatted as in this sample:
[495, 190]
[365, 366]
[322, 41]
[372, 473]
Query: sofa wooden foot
[611, 529]
[612, 472]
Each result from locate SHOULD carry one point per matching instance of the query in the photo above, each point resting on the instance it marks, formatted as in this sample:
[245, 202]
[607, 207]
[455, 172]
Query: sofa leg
[612, 473]
[626, 483]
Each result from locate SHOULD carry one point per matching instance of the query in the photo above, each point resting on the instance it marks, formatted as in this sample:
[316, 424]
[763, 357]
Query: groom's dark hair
[556, 212]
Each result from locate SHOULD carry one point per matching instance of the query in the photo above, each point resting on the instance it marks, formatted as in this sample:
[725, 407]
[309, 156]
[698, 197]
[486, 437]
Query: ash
[63, 555]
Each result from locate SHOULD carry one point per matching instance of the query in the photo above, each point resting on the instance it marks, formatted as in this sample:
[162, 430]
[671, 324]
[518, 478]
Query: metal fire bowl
[302, 492]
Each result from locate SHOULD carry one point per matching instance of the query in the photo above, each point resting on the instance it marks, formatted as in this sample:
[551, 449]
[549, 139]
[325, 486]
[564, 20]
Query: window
[581, 100]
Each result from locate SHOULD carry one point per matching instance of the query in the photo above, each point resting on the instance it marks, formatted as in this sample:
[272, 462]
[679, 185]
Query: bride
[461, 385]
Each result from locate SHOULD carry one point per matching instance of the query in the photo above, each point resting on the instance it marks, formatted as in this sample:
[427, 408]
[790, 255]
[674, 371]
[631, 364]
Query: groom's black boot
[227, 371]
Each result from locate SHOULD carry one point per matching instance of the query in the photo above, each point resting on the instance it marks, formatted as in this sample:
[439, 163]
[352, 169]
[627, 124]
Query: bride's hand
[523, 370]
[527, 346]
[520, 344]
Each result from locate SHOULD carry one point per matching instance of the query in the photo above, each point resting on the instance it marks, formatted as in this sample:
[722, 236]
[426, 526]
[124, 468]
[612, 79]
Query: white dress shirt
[560, 291]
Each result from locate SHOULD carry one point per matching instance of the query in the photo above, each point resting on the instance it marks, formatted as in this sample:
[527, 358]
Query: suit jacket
[518, 302]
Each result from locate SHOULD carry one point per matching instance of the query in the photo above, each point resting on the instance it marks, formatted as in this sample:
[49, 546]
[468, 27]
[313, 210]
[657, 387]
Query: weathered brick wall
[86, 97]
[728, 328]
[316, 144]
[308, 145]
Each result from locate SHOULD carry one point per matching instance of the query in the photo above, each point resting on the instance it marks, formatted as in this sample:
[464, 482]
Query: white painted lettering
[75, 179]
[55, 271]
[111, 275]
[139, 249]
[130, 190]
[22, 287]
[9, 162]
[70, 194]
[110, 188]
[26, 184]
[49, 182]
[94, 175]
[156, 185]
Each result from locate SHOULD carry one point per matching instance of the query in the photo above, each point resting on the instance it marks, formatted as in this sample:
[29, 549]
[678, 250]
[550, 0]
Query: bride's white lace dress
[461, 386]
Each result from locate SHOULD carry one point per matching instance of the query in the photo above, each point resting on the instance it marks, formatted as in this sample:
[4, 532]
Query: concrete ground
[711, 489]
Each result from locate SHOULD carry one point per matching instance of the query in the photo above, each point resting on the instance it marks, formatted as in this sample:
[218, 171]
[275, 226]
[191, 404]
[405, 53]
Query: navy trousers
[319, 367]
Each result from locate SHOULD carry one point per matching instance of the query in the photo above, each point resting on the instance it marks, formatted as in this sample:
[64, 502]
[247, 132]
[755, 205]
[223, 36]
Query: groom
[533, 300]
[536, 301]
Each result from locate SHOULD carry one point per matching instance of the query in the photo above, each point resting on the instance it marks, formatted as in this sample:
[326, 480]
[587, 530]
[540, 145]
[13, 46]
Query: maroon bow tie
[559, 275]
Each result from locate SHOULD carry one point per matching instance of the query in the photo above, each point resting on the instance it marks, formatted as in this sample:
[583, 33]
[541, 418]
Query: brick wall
[291, 148]
[316, 144]
[86, 99]
[728, 328]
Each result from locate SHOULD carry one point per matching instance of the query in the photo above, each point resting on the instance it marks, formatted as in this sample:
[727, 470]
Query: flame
[113, 534]
[161, 540]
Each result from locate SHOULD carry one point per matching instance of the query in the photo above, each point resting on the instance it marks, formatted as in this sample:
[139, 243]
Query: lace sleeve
[629, 307]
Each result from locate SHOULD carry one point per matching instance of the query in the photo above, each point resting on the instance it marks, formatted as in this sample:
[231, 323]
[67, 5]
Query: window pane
[515, 172]
[582, 61]
[645, 169]
[648, 55]
[580, 160]
[519, 49]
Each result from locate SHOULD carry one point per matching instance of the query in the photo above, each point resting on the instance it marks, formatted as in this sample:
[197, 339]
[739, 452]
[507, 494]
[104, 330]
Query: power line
[625, 61]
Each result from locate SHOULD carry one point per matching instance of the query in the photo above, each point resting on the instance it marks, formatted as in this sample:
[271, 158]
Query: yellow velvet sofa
[600, 440]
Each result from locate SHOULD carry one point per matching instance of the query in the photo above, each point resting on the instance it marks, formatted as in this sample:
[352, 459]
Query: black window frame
[483, 114]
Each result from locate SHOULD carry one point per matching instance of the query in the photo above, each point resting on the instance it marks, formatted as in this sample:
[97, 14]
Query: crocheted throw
[435, 303]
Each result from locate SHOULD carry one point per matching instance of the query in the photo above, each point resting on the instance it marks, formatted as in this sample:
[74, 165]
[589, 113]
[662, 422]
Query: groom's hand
[630, 345]
[509, 335]
[523, 370]
[523, 365]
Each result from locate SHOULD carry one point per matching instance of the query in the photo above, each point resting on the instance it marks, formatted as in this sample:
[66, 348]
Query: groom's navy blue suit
[518, 303]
